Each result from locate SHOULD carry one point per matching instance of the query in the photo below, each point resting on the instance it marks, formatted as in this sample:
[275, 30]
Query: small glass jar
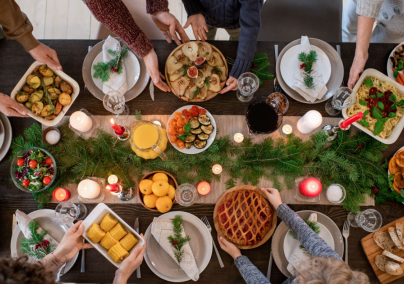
[329, 188]
[186, 194]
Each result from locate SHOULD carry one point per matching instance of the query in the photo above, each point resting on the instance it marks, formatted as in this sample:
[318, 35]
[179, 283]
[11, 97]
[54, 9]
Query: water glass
[344, 97]
[114, 102]
[247, 84]
[67, 212]
[186, 194]
[370, 220]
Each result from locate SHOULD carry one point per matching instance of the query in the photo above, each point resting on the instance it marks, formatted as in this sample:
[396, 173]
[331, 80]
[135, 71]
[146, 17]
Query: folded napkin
[161, 230]
[320, 88]
[117, 82]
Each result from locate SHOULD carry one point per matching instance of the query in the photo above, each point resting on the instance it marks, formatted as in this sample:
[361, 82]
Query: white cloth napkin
[298, 83]
[117, 82]
[23, 221]
[161, 230]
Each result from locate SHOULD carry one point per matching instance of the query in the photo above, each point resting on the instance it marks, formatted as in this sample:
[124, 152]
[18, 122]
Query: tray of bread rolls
[385, 251]
[110, 235]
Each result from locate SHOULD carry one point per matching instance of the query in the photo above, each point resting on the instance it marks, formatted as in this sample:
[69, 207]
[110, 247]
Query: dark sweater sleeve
[249, 271]
[153, 6]
[250, 23]
[312, 242]
[192, 7]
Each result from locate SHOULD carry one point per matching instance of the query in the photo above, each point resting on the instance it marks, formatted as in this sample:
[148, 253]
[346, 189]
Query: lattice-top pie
[245, 217]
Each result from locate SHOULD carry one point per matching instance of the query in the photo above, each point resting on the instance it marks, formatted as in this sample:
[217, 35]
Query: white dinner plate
[193, 149]
[289, 243]
[8, 133]
[55, 229]
[163, 265]
[132, 67]
[2, 133]
[289, 63]
[390, 72]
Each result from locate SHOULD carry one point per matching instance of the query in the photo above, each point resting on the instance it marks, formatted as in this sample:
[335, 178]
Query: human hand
[231, 84]
[273, 196]
[199, 26]
[357, 67]
[170, 26]
[10, 107]
[71, 243]
[129, 265]
[46, 55]
[152, 67]
[229, 247]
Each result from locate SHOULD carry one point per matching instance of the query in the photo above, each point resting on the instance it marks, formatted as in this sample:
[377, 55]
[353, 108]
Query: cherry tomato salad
[34, 170]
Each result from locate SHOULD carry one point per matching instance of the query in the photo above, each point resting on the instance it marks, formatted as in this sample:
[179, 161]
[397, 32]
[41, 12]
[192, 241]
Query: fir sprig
[103, 69]
[307, 66]
[27, 244]
[178, 241]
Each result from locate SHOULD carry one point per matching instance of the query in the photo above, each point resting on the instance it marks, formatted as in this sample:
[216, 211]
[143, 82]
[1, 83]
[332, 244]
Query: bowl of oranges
[156, 191]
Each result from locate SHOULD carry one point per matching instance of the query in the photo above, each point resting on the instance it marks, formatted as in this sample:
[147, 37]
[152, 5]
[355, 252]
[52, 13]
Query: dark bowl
[261, 111]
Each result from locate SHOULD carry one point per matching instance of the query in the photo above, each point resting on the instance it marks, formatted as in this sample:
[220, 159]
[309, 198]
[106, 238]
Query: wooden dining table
[14, 62]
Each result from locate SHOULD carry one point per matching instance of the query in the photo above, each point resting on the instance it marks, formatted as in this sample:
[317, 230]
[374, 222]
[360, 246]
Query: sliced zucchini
[190, 138]
[196, 131]
[200, 144]
[194, 122]
[203, 136]
[204, 119]
[208, 129]
[188, 145]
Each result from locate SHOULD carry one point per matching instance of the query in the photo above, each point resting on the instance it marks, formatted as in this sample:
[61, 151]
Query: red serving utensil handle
[351, 120]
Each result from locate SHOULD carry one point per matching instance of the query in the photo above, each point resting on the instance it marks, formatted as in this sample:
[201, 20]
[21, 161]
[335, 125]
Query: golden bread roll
[396, 189]
[393, 167]
[95, 233]
[118, 232]
[108, 241]
[400, 158]
[399, 180]
[128, 241]
[118, 253]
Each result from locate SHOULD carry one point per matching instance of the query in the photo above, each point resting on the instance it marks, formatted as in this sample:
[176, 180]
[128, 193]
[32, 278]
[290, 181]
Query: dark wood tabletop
[14, 62]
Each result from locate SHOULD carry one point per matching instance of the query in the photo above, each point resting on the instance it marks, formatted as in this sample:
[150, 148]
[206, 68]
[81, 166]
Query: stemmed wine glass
[370, 220]
[344, 97]
[114, 102]
[247, 84]
[67, 212]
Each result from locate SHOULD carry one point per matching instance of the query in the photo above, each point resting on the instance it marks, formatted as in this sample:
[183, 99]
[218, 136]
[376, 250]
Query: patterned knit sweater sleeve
[249, 271]
[314, 244]
[369, 8]
[115, 16]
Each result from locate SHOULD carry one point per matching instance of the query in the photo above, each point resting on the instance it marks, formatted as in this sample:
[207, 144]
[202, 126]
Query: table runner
[226, 125]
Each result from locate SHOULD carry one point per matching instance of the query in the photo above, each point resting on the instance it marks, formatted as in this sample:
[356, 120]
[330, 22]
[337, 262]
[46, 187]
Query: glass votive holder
[96, 124]
[334, 191]
[100, 197]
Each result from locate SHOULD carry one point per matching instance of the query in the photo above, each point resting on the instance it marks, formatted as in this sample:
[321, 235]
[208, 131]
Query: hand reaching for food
[170, 26]
[46, 55]
[229, 247]
[10, 107]
[357, 68]
[273, 196]
[231, 84]
[152, 67]
[199, 26]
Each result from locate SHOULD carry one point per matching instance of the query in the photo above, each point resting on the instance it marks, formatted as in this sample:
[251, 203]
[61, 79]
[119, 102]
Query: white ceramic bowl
[96, 216]
[65, 77]
[399, 127]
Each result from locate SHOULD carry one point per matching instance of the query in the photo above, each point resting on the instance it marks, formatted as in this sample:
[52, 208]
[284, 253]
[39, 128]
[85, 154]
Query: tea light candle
[287, 129]
[203, 188]
[112, 179]
[88, 189]
[310, 121]
[81, 121]
[61, 194]
[238, 137]
[217, 169]
[310, 187]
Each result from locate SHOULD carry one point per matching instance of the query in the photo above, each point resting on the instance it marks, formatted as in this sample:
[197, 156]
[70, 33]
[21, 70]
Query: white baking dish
[95, 217]
[399, 127]
[64, 76]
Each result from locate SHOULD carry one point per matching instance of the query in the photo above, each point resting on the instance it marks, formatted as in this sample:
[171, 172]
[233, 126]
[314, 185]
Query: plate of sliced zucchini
[201, 135]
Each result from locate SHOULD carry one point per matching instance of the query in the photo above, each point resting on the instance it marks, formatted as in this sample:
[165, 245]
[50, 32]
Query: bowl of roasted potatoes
[47, 94]
[110, 235]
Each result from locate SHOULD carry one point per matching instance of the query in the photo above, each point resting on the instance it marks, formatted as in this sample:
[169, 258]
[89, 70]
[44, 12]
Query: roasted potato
[57, 81]
[22, 97]
[50, 117]
[37, 108]
[28, 89]
[48, 81]
[29, 77]
[58, 108]
[35, 82]
[46, 111]
[39, 94]
[34, 98]
[65, 99]
[54, 93]
[28, 105]
[45, 71]
[65, 87]
[36, 70]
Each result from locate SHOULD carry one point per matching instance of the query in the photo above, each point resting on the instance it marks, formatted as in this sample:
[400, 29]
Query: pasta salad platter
[381, 100]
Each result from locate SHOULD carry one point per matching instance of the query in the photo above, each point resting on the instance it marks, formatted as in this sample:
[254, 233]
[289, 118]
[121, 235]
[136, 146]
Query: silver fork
[205, 220]
[345, 233]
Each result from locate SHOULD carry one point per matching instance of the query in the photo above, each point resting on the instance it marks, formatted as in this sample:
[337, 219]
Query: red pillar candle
[203, 188]
[310, 187]
[61, 194]
[118, 129]
[114, 187]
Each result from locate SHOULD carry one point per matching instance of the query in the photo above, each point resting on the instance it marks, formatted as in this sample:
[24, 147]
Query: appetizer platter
[191, 129]
[196, 71]
[395, 68]
[244, 217]
[46, 93]
[380, 99]
[395, 171]
[109, 234]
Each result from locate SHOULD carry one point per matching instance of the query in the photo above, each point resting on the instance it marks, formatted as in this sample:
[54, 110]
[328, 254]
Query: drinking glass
[370, 220]
[344, 97]
[247, 84]
[186, 194]
[114, 102]
[67, 212]
[123, 194]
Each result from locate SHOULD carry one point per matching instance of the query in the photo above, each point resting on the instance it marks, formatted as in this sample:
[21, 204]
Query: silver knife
[83, 259]
[151, 89]
[136, 226]
[269, 267]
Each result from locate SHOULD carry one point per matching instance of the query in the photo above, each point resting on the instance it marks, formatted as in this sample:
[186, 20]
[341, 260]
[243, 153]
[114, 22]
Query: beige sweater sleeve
[369, 8]
[16, 24]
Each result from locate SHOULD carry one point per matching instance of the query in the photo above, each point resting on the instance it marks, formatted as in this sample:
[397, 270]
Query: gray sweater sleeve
[249, 271]
[314, 244]
[369, 8]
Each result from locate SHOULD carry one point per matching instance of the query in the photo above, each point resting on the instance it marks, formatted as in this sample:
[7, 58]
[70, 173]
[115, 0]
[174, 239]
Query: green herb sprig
[187, 129]
[103, 69]
[36, 238]
[308, 61]
[178, 241]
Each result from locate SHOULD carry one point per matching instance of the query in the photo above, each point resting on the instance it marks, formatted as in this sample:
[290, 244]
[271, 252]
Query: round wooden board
[216, 218]
[208, 97]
